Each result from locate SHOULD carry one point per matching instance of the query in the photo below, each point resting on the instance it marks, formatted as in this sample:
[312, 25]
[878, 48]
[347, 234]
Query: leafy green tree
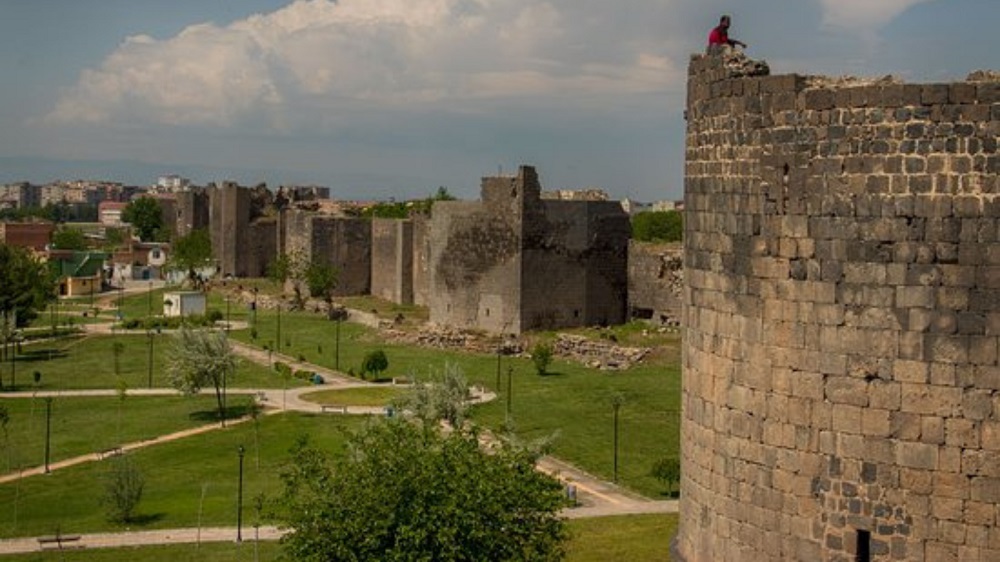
[146, 216]
[374, 362]
[668, 471]
[25, 284]
[69, 238]
[199, 359]
[541, 357]
[192, 252]
[658, 226]
[290, 268]
[407, 491]
[321, 279]
[123, 487]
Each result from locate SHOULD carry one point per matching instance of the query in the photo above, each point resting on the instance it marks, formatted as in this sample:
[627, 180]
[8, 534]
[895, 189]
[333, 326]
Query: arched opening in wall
[784, 174]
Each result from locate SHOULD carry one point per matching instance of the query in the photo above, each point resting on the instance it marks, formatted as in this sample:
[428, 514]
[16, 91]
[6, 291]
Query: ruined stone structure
[655, 282]
[244, 239]
[192, 210]
[392, 260]
[514, 262]
[345, 243]
[841, 396]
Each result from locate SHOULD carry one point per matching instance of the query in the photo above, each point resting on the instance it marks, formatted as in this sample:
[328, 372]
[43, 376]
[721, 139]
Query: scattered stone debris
[849, 81]
[598, 354]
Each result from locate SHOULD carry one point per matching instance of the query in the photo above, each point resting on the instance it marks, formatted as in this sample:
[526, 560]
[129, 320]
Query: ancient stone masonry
[655, 282]
[245, 238]
[841, 393]
[515, 262]
[345, 243]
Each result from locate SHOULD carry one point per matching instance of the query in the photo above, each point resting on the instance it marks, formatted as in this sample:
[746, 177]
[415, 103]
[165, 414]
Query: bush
[213, 316]
[123, 485]
[658, 226]
[304, 375]
[541, 356]
[374, 362]
[282, 369]
[668, 471]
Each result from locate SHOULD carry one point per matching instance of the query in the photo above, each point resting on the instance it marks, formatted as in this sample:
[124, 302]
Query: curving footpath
[595, 497]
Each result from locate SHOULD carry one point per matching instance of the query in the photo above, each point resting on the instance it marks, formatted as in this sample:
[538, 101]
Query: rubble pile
[598, 354]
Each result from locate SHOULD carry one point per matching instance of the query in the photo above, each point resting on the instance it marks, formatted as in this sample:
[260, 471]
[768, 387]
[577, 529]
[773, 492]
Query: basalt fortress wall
[841, 393]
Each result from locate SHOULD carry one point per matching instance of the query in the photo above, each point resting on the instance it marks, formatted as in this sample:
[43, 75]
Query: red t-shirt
[718, 36]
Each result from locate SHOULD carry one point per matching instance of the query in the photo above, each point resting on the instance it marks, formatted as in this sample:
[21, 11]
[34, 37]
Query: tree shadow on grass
[36, 355]
[232, 412]
[146, 518]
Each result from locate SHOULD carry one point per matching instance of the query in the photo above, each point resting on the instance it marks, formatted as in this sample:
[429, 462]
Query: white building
[184, 303]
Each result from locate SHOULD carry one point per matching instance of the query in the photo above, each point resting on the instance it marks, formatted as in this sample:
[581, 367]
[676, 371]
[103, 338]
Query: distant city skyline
[398, 97]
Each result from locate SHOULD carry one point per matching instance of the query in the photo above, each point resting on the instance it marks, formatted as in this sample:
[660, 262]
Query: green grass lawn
[362, 396]
[574, 401]
[83, 425]
[184, 478]
[633, 538]
[89, 362]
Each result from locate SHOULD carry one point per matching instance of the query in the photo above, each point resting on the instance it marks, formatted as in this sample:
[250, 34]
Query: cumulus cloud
[864, 15]
[313, 62]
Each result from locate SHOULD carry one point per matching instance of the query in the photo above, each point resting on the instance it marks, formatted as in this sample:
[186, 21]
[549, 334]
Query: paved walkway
[595, 497]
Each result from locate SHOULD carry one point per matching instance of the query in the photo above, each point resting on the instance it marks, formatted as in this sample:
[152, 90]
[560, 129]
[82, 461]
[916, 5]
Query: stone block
[985, 489]
[917, 455]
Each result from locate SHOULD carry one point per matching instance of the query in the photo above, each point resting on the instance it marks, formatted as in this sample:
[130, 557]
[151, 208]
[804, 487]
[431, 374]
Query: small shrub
[123, 485]
[283, 369]
[213, 316]
[541, 357]
[668, 471]
[302, 358]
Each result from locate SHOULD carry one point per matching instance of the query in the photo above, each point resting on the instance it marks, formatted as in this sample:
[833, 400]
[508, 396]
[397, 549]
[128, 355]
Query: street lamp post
[48, 429]
[336, 354]
[149, 373]
[239, 499]
[150, 298]
[279, 327]
[227, 313]
[510, 373]
[499, 348]
[616, 404]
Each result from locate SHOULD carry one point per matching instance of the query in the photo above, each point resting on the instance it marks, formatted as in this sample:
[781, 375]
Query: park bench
[59, 542]
[333, 408]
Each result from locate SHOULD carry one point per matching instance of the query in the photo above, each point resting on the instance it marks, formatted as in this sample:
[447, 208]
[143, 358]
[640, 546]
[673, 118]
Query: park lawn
[621, 537]
[183, 478]
[574, 402]
[359, 396]
[88, 362]
[635, 538]
[84, 425]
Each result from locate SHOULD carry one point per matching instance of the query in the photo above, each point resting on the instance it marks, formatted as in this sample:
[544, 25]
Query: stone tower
[841, 395]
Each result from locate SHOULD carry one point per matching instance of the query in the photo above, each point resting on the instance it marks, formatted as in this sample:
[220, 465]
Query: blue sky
[393, 98]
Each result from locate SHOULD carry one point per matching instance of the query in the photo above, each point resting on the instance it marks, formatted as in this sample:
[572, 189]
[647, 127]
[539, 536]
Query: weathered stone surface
[840, 256]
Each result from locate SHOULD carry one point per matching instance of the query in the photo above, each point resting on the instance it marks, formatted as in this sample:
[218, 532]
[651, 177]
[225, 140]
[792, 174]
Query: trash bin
[389, 411]
[317, 379]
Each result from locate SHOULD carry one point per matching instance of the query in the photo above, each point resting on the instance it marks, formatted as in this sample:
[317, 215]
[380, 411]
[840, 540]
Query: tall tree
[407, 491]
[69, 238]
[146, 216]
[192, 252]
[200, 359]
[25, 284]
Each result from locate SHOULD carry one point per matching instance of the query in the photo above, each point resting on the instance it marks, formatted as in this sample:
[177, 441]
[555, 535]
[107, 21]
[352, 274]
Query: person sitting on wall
[719, 36]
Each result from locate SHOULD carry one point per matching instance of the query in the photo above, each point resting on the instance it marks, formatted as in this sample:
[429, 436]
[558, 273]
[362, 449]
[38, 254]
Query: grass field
[574, 402]
[635, 538]
[362, 396]
[89, 362]
[83, 425]
[186, 480]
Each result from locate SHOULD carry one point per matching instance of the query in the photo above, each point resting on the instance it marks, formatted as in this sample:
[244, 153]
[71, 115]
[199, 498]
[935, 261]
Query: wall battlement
[842, 312]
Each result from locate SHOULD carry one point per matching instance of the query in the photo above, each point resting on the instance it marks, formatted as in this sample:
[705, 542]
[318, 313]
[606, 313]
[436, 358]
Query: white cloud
[864, 15]
[313, 62]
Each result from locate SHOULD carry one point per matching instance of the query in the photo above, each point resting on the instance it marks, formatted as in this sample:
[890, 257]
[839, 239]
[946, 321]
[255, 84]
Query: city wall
[841, 394]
